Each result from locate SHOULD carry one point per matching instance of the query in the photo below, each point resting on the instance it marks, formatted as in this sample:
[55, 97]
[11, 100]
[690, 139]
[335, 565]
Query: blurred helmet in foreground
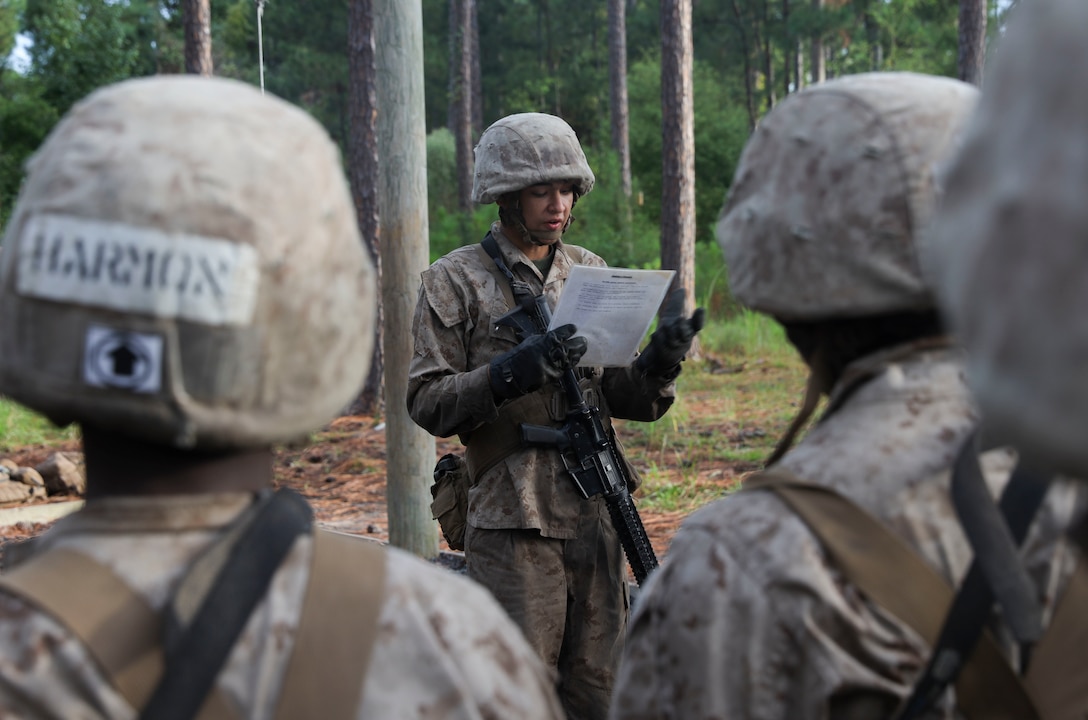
[1010, 245]
[183, 266]
[528, 149]
[831, 192]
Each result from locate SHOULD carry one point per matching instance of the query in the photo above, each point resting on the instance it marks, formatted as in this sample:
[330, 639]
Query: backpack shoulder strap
[339, 624]
[122, 632]
[116, 625]
[897, 579]
[1058, 671]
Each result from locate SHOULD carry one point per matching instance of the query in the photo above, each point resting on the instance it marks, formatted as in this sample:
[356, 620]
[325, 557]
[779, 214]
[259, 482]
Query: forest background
[534, 55]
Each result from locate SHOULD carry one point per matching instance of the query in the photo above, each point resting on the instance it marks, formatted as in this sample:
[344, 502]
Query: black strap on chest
[196, 648]
[995, 532]
[522, 292]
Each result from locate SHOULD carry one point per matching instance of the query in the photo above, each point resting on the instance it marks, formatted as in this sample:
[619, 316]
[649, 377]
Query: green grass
[20, 427]
[731, 408]
[747, 334]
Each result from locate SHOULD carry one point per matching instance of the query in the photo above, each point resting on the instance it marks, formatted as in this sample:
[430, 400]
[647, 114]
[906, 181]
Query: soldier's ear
[508, 201]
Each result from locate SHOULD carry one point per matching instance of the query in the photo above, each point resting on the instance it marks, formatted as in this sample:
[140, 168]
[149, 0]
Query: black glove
[672, 339]
[534, 362]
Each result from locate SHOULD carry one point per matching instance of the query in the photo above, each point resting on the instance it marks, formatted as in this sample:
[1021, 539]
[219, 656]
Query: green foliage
[721, 129]
[20, 426]
[545, 55]
[450, 229]
[25, 118]
[441, 171]
[305, 55]
[80, 45]
[10, 10]
[712, 282]
[609, 224]
[77, 46]
[747, 334]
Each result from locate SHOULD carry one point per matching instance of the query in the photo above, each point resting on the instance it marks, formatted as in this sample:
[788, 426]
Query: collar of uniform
[513, 255]
[866, 368]
[160, 513]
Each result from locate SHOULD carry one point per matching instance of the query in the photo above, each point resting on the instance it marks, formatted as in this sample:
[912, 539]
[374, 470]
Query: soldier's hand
[672, 339]
[537, 360]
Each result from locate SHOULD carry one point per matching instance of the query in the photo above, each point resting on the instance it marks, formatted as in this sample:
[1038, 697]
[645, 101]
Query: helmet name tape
[137, 270]
[125, 360]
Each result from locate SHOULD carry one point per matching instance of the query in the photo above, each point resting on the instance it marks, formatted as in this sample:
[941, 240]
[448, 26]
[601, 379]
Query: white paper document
[612, 308]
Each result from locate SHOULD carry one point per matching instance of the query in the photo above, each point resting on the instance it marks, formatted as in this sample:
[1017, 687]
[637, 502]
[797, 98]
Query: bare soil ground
[343, 476]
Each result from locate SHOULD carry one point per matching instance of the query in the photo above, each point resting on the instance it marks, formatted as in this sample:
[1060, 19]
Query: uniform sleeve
[445, 396]
[633, 395]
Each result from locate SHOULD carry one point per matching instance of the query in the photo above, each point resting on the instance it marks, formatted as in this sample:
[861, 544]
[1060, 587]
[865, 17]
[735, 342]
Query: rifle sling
[489, 444]
[195, 659]
[973, 604]
[897, 579]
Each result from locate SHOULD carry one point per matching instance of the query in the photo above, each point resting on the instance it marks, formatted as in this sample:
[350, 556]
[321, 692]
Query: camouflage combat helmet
[1009, 249]
[528, 149]
[831, 192]
[183, 266]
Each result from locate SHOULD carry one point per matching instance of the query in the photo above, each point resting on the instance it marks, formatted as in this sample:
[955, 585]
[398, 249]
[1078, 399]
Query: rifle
[588, 451]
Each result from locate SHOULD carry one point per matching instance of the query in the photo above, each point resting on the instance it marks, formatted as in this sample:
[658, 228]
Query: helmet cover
[183, 265]
[830, 194]
[1009, 248]
[527, 149]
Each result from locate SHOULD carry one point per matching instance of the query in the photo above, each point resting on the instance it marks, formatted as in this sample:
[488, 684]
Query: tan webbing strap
[116, 625]
[1059, 672]
[337, 629]
[897, 579]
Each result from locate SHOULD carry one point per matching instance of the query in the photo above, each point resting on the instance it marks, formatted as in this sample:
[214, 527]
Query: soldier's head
[183, 267]
[831, 192]
[1009, 247]
[532, 165]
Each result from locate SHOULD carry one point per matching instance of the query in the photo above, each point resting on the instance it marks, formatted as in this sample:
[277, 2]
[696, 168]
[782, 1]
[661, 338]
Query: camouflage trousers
[569, 597]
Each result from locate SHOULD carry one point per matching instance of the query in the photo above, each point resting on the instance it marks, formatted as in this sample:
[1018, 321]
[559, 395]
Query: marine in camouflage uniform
[183, 276]
[750, 617]
[1013, 282]
[1010, 263]
[551, 557]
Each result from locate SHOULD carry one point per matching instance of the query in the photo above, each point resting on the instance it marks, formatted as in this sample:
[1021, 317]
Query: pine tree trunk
[768, 57]
[198, 37]
[617, 75]
[787, 43]
[678, 148]
[402, 196]
[972, 40]
[749, 71]
[477, 76]
[364, 170]
[460, 108]
[799, 65]
[818, 60]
